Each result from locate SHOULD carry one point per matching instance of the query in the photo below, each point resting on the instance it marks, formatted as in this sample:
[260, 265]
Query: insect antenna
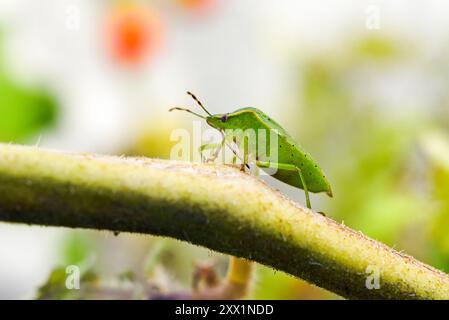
[187, 110]
[198, 101]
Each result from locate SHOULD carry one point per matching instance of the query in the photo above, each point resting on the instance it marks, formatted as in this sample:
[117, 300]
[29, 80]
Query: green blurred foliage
[271, 284]
[436, 147]
[77, 248]
[55, 286]
[377, 48]
[24, 112]
[154, 140]
[365, 152]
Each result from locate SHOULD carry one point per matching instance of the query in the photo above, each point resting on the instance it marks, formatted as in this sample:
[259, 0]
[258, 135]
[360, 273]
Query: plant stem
[214, 206]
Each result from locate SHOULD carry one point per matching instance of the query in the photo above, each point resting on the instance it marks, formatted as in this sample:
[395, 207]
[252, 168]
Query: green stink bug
[294, 166]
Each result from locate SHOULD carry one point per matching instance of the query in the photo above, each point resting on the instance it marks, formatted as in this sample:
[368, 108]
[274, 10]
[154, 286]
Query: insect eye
[224, 118]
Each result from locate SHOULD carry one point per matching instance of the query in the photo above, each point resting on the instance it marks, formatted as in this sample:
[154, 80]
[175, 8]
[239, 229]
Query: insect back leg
[288, 167]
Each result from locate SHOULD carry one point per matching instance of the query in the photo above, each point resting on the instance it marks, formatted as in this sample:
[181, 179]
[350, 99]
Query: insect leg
[217, 151]
[235, 152]
[288, 167]
[306, 191]
[222, 143]
[216, 146]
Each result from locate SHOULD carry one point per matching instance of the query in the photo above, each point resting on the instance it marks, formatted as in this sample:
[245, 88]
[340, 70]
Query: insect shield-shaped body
[255, 134]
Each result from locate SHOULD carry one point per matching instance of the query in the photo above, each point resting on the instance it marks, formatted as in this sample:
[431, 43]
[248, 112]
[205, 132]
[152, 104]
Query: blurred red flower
[198, 6]
[133, 32]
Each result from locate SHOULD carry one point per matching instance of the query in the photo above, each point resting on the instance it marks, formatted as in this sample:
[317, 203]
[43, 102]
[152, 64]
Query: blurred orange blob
[133, 33]
[200, 6]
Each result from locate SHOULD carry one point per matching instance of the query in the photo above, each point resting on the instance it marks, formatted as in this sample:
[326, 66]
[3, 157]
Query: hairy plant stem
[214, 206]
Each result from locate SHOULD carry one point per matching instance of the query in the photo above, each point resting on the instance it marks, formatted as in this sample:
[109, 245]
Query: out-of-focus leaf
[436, 146]
[127, 276]
[77, 248]
[55, 287]
[372, 189]
[154, 141]
[23, 111]
[270, 284]
[153, 258]
[377, 48]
